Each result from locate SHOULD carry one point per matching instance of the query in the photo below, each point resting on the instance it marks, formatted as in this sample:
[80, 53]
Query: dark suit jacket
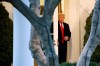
[66, 32]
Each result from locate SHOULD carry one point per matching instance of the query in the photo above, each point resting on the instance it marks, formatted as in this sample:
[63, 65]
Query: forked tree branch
[50, 6]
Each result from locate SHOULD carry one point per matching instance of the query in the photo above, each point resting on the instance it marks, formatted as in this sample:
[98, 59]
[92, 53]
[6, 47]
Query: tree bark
[43, 44]
[94, 38]
[35, 43]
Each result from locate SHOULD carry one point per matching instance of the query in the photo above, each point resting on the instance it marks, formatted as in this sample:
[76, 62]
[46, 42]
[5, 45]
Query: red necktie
[62, 32]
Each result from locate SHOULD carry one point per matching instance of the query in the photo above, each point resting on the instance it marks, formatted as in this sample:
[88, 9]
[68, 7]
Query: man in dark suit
[64, 35]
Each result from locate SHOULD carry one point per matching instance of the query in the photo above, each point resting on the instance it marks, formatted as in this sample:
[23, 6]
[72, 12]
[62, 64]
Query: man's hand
[66, 38]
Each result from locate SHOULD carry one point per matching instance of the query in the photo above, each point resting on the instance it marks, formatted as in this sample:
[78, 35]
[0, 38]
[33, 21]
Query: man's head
[61, 17]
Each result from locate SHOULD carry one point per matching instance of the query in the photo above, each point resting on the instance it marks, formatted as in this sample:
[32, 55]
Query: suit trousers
[62, 52]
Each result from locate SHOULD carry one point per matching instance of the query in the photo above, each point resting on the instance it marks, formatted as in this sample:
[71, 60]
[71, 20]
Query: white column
[73, 17]
[21, 52]
[62, 5]
[55, 20]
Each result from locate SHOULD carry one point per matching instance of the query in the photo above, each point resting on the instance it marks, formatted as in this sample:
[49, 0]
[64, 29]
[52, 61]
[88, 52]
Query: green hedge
[6, 37]
[68, 64]
[74, 64]
[96, 55]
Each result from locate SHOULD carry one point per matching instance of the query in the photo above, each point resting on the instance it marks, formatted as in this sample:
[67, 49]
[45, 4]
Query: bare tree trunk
[43, 47]
[94, 38]
[35, 45]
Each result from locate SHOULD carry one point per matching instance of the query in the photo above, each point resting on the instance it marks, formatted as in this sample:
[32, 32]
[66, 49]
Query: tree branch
[42, 26]
[50, 6]
[54, 3]
[94, 38]
[35, 44]
[31, 16]
[46, 6]
[25, 10]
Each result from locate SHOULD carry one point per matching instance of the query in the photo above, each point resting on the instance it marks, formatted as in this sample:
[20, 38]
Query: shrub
[96, 55]
[74, 64]
[6, 37]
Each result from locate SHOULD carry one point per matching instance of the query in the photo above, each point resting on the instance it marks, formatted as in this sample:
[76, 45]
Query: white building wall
[74, 27]
[86, 7]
